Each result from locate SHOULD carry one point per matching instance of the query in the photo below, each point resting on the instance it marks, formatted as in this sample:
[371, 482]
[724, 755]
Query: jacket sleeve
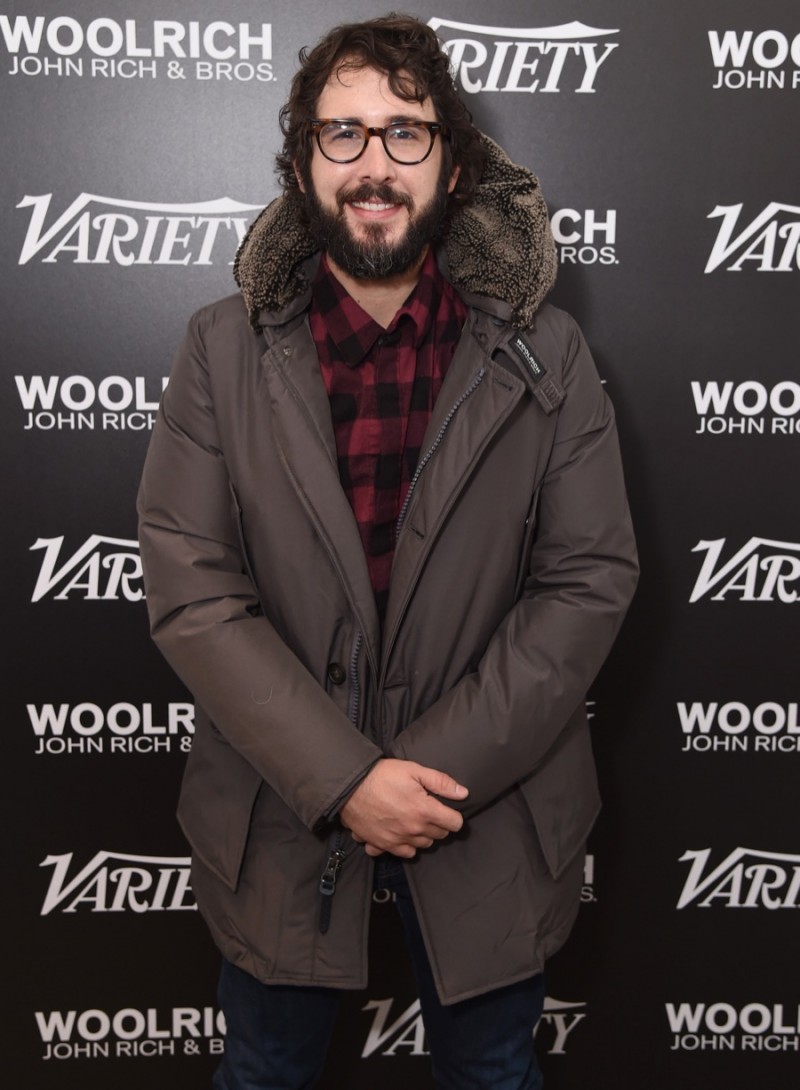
[205, 615]
[496, 726]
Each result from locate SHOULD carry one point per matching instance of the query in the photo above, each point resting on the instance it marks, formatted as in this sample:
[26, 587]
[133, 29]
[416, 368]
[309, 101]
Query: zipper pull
[327, 883]
[327, 886]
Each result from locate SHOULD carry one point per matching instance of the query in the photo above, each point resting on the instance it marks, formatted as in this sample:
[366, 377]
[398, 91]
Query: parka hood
[499, 246]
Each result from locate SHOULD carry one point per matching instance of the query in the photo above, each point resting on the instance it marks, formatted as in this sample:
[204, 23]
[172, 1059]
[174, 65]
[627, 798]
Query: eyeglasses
[407, 142]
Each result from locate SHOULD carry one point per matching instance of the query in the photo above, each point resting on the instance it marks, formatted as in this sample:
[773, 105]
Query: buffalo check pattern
[382, 385]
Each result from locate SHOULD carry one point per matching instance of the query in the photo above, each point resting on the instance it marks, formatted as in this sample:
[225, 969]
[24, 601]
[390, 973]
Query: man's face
[374, 217]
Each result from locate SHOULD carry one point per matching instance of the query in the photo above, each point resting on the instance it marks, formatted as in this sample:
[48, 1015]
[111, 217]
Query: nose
[374, 163]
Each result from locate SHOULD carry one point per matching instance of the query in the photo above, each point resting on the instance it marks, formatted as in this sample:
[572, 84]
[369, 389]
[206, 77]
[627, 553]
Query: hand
[393, 808]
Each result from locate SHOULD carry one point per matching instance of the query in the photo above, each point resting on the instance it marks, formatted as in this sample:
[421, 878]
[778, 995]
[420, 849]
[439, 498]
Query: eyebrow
[396, 119]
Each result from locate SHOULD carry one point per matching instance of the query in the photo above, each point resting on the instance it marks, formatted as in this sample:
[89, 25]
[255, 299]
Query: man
[387, 547]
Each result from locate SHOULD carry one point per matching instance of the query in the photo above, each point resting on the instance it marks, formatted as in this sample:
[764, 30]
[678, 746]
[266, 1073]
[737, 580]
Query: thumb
[439, 783]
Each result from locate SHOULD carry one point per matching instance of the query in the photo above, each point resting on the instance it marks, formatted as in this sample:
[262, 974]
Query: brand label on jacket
[525, 353]
[547, 393]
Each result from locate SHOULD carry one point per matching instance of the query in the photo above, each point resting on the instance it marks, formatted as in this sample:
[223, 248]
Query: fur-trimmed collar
[499, 246]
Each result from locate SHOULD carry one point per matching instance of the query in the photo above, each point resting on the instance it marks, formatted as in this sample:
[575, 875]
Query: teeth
[372, 206]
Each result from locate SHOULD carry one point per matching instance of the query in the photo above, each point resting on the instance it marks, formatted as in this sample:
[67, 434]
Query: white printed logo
[103, 569]
[88, 728]
[745, 879]
[587, 890]
[735, 727]
[112, 882]
[718, 1027]
[748, 60]
[131, 1031]
[763, 570]
[407, 1031]
[545, 59]
[771, 242]
[108, 49]
[585, 238]
[559, 1019]
[745, 408]
[95, 230]
[70, 403]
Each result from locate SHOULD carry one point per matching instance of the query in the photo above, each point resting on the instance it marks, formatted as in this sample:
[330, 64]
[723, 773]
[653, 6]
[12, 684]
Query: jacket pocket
[218, 793]
[562, 795]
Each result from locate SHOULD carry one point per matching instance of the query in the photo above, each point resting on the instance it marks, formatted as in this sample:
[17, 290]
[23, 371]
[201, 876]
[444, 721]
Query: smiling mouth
[374, 206]
[374, 199]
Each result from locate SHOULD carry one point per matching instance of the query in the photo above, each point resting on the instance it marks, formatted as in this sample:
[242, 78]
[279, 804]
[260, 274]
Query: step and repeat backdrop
[137, 145]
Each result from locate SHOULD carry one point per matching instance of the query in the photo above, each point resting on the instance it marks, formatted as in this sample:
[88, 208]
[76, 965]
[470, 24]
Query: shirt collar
[352, 332]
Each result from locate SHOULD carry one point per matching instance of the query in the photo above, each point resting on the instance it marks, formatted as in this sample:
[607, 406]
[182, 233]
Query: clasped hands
[394, 810]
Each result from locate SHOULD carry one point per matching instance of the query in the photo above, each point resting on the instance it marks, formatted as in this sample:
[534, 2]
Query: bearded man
[387, 546]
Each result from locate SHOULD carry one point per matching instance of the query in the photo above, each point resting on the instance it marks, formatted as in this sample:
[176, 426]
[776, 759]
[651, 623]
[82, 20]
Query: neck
[381, 299]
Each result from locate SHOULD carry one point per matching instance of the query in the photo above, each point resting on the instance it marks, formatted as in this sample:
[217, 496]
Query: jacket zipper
[327, 883]
[473, 386]
[435, 444]
[336, 850]
[355, 686]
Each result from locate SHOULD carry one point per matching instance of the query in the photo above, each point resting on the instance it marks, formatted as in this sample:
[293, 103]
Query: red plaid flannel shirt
[382, 385]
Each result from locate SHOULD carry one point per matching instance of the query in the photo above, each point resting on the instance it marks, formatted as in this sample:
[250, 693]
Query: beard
[370, 256]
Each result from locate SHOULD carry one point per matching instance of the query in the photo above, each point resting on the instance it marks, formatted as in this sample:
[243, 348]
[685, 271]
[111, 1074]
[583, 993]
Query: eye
[341, 134]
[405, 134]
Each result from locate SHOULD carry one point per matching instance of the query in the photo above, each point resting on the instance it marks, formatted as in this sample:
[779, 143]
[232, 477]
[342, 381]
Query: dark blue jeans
[278, 1036]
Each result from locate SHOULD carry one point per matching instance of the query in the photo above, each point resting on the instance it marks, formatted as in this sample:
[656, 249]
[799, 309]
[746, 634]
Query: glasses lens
[341, 142]
[408, 143]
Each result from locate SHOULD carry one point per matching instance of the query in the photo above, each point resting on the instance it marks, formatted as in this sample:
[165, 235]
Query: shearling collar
[500, 246]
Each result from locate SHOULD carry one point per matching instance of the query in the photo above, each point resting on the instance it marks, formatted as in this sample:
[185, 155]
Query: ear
[299, 178]
[453, 179]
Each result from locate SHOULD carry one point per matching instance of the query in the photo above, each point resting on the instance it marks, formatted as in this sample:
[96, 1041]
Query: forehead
[365, 94]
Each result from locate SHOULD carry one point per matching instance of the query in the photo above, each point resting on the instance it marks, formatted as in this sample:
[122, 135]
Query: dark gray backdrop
[692, 112]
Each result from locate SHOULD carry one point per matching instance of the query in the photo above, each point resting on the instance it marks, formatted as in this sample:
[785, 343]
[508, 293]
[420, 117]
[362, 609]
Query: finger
[439, 816]
[439, 783]
[404, 851]
[413, 842]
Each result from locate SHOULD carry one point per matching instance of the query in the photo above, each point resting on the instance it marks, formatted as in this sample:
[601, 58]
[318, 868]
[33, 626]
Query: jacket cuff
[332, 813]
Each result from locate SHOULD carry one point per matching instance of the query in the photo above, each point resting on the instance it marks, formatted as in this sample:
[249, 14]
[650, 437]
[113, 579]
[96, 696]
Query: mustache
[366, 192]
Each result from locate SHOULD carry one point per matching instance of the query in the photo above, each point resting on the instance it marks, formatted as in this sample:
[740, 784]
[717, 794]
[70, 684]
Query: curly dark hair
[410, 55]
